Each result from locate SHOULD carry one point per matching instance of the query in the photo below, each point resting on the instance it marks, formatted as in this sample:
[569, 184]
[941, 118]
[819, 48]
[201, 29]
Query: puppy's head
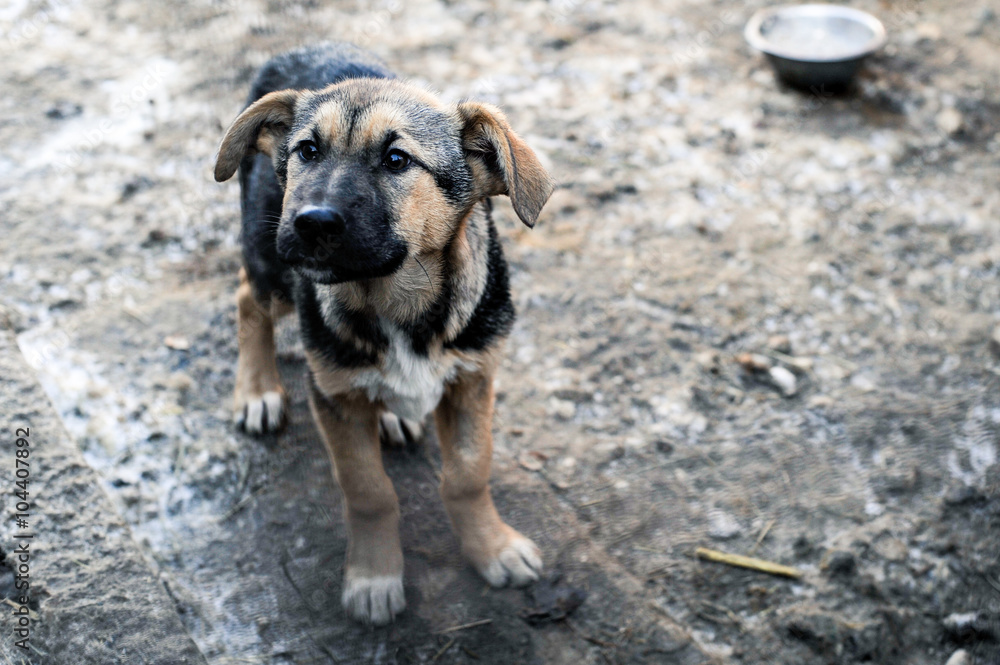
[374, 170]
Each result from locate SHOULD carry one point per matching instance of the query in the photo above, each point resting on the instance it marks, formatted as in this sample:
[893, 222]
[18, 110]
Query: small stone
[784, 380]
[177, 342]
[802, 547]
[780, 343]
[562, 408]
[723, 526]
[754, 362]
[931, 31]
[995, 342]
[840, 564]
[863, 383]
[821, 402]
[950, 121]
[968, 626]
[530, 462]
[818, 631]
[63, 110]
[800, 365]
[664, 446]
[707, 358]
[964, 495]
[180, 382]
[960, 657]
[892, 549]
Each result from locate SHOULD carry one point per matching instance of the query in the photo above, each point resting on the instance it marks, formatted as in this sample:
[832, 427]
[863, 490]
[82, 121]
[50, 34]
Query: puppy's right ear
[262, 126]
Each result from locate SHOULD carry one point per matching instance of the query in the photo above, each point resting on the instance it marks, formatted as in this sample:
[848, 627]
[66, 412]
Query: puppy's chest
[410, 384]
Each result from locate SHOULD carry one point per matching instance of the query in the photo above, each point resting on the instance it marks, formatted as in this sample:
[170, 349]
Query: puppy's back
[315, 67]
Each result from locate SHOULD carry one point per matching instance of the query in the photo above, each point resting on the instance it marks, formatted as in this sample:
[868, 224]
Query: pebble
[892, 549]
[754, 362]
[784, 380]
[931, 31]
[530, 462]
[840, 563]
[562, 408]
[968, 626]
[863, 383]
[950, 121]
[723, 526]
[177, 342]
[960, 657]
[780, 343]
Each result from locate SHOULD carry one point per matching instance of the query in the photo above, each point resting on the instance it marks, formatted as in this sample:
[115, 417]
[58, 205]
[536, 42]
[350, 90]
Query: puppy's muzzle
[317, 235]
[322, 230]
[320, 224]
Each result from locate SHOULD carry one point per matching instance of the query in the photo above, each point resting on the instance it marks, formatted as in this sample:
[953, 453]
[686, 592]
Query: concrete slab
[92, 597]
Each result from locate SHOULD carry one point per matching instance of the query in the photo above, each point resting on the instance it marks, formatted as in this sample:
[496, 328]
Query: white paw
[261, 413]
[373, 600]
[397, 431]
[519, 563]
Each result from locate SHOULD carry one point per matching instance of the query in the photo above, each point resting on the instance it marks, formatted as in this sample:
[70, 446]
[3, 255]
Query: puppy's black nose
[315, 223]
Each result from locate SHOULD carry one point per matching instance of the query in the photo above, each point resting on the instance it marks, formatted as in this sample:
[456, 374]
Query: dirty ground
[750, 319]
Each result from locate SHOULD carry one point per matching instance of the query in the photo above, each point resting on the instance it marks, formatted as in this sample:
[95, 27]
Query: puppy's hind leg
[259, 402]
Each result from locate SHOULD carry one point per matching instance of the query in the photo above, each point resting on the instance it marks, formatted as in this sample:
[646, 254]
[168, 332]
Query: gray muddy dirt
[750, 319]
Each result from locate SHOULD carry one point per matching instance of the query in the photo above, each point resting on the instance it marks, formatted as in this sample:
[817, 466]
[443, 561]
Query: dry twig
[481, 622]
[751, 563]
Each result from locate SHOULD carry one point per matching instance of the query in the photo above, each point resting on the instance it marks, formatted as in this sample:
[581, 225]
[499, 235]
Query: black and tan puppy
[365, 205]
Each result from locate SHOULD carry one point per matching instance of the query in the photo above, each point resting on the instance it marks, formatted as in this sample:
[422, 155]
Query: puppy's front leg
[373, 575]
[464, 421]
[259, 398]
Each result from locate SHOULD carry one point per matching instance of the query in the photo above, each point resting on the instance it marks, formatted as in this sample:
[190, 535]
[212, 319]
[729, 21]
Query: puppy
[365, 205]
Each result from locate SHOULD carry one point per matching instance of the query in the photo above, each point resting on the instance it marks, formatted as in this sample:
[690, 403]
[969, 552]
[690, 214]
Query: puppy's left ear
[501, 162]
[262, 126]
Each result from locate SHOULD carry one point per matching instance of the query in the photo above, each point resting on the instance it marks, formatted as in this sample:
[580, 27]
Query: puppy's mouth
[319, 276]
[346, 265]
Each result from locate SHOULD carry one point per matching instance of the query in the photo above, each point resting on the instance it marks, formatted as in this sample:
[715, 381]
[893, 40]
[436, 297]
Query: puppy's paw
[398, 431]
[373, 600]
[517, 562]
[260, 413]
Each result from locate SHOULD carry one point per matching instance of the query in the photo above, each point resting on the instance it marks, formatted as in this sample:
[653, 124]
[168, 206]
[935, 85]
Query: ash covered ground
[750, 319]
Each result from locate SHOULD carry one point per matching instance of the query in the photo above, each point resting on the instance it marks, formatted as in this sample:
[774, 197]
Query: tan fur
[430, 219]
[349, 427]
[257, 367]
[464, 421]
[259, 127]
[522, 177]
[330, 379]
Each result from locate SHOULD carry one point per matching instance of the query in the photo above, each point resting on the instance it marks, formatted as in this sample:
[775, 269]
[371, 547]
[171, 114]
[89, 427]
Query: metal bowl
[815, 45]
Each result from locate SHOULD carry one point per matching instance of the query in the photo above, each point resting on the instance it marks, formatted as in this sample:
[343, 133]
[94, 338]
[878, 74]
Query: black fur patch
[321, 340]
[494, 314]
[456, 185]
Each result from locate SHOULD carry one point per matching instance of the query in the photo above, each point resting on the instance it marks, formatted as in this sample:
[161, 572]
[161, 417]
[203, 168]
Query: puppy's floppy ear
[260, 127]
[501, 162]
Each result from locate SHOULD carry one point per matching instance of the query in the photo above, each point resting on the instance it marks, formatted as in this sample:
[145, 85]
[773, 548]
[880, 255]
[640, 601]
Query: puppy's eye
[308, 151]
[396, 160]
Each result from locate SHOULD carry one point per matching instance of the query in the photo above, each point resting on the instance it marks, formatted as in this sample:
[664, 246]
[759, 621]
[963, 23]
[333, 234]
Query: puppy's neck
[401, 296]
[416, 287]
